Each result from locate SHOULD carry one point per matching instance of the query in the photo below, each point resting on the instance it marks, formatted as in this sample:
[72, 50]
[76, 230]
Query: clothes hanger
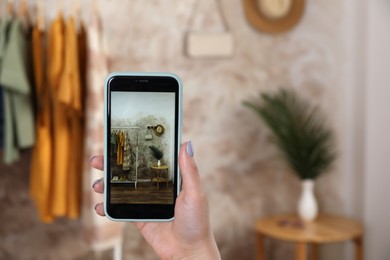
[10, 8]
[41, 15]
[76, 14]
[96, 6]
[60, 6]
[23, 13]
[23, 9]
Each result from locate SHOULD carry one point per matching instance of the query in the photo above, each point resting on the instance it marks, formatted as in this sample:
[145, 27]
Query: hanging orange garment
[41, 164]
[35, 183]
[83, 56]
[69, 89]
[55, 52]
[75, 198]
[61, 136]
[69, 94]
[37, 58]
[120, 148]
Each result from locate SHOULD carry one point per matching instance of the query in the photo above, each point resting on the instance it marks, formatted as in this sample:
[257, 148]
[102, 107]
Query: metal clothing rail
[126, 127]
[136, 151]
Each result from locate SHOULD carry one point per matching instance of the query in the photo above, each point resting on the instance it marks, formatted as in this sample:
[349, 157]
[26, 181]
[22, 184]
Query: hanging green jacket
[19, 118]
[3, 39]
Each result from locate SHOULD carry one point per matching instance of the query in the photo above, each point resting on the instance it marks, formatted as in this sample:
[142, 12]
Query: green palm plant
[298, 130]
[156, 152]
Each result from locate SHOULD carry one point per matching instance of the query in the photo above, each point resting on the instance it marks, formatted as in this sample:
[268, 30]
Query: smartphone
[143, 119]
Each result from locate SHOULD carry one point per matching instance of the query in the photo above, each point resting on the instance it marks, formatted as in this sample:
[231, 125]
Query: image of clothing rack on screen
[124, 157]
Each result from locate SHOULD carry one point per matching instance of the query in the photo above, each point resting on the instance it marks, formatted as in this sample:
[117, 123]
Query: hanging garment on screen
[126, 153]
[117, 141]
[113, 143]
[100, 233]
[19, 118]
[61, 135]
[42, 157]
[119, 152]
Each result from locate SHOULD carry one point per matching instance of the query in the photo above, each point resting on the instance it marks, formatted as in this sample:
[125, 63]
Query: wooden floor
[146, 193]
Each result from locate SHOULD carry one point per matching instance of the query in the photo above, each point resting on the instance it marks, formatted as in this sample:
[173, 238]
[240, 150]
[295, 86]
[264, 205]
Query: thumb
[188, 170]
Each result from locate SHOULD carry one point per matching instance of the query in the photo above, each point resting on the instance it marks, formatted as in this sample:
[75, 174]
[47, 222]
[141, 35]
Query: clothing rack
[136, 151]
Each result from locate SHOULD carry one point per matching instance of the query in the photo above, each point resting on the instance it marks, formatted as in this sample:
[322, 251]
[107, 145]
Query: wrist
[207, 250]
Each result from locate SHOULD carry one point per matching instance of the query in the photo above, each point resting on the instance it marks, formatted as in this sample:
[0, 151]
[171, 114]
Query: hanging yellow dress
[69, 95]
[61, 137]
[119, 153]
[41, 163]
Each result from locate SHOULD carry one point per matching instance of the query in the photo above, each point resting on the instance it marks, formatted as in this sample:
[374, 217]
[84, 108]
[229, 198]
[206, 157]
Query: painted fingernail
[96, 206]
[92, 157]
[96, 182]
[190, 150]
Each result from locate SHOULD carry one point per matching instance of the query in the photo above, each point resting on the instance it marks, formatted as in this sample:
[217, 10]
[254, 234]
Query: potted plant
[305, 143]
[157, 154]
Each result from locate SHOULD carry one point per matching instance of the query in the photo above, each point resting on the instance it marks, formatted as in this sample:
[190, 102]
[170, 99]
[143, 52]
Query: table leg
[301, 251]
[260, 246]
[314, 252]
[167, 178]
[358, 248]
[158, 179]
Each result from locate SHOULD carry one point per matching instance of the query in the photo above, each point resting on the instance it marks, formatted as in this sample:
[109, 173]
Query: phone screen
[142, 146]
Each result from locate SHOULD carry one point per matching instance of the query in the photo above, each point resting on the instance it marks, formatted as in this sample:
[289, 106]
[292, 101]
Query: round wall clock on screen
[273, 16]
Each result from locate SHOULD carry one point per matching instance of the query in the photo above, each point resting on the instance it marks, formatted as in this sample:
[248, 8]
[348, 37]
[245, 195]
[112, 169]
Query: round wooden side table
[158, 178]
[325, 229]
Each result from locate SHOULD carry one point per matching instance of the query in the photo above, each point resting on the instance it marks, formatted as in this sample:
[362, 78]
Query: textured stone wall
[242, 175]
[239, 168]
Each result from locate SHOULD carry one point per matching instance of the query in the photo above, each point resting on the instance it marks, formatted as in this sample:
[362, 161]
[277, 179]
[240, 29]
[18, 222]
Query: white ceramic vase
[158, 163]
[307, 205]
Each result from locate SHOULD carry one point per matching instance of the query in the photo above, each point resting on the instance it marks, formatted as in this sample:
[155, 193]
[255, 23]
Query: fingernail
[92, 157]
[96, 206]
[190, 150]
[96, 182]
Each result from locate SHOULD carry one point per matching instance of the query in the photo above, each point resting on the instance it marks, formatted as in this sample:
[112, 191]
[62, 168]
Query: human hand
[189, 235]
